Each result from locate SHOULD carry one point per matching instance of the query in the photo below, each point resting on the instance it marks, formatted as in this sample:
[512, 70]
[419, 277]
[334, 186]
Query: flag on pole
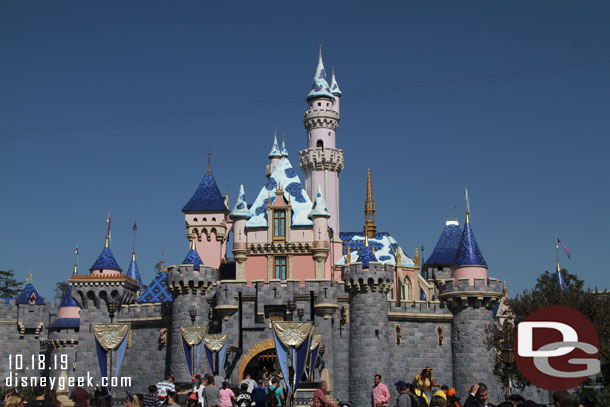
[135, 227]
[565, 249]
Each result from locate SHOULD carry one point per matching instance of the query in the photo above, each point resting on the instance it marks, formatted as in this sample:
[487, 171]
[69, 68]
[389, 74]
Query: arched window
[406, 289]
[320, 144]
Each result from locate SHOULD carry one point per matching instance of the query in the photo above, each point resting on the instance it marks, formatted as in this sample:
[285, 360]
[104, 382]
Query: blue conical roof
[157, 290]
[275, 149]
[68, 300]
[447, 245]
[28, 294]
[334, 86]
[207, 197]
[240, 210]
[366, 255]
[192, 257]
[133, 271]
[320, 86]
[106, 261]
[284, 151]
[319, 206]
[468, 253]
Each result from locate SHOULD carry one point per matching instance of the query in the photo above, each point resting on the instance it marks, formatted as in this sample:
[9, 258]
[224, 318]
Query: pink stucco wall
[256, 268]
[303, 267]
[470, 273]
[68, 312]
[209, 251]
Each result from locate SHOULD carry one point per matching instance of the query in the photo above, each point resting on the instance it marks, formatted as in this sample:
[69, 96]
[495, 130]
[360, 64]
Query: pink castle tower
[207, 220]
[322, 161]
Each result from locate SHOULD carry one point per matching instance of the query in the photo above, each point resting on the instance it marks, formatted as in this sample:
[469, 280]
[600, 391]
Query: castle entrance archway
[261, 356]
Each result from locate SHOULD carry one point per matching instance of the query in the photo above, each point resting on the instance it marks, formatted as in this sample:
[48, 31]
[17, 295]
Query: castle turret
[275, 155]
[192, 286]
[240, 216]
[320, 248]
[471, 296]
[438, 265]
[207, 222]
[334, 89]
[368, 282]
[322, 161]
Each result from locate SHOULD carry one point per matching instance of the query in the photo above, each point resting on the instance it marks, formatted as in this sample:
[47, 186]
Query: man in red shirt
[80, 397]
[380, 395]
[319, 396]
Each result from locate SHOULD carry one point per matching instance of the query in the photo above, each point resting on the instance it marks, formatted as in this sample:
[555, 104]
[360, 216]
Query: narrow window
[279, 224]
[280, 267]
[320, 144]
[319, 104]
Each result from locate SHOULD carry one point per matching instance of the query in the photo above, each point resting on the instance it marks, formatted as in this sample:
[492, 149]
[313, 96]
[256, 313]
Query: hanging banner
[216, 344]
[292, 343]
[192, 337]
[110, 337]
[313, 349]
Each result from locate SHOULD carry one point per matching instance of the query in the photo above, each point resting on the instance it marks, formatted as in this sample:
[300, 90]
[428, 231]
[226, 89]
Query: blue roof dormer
[192, 257]
[275, 149]
[366, 255]
[468, 253]
[133, 271]
[157, 290]
[447, 245]
[106, 261]
[29, 296]
[320, 88]
[240, 210]
[207, 197]
[334, 86]
[68, 300]
[319, 206]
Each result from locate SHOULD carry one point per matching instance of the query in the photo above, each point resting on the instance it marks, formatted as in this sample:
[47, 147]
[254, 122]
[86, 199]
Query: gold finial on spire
[209, 171]
[370, 229]
[75, 271]
[398, 257]
[193, 244]
[504, 292]
[366, 240]
[29, 275]
[162, 262]
[348, 259]
[108, 223]
[416, 257]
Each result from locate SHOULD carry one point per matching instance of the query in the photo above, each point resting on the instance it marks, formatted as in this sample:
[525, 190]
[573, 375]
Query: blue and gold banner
[216, 345]
[192, 339]
[313, 349]
[110, 337]
[292, 345]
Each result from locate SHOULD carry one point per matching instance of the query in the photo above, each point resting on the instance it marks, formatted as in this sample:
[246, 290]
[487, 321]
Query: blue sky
[113, 106]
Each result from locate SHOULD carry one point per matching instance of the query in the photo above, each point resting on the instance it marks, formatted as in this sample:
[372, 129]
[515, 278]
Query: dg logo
[557, 348]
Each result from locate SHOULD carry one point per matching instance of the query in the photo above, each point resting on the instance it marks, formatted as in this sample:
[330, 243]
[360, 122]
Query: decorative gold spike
[398, 257]
[370, 229]
[193, 244]
[349, 255]
[366, 240]
[416, 257]
[504, 291]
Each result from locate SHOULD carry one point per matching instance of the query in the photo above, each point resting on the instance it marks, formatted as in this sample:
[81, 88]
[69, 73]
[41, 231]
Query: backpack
[417, 401]
[272, 397]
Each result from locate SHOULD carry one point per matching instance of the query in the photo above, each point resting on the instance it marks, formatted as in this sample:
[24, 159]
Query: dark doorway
[266, 360]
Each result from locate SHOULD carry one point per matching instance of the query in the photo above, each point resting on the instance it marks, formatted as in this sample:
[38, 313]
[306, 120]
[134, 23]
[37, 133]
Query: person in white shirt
[248, 380]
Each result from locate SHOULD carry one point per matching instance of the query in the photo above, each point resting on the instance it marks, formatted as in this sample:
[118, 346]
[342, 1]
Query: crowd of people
[271, 391]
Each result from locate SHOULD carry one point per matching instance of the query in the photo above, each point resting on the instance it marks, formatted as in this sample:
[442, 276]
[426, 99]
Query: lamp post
[112, 307]
[301, 313]
[291, 306]
[193, 314]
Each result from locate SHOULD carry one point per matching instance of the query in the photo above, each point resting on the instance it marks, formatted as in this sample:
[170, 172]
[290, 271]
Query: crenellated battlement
[326, 118]
[183, 279]
[378, 277]
[319, 159]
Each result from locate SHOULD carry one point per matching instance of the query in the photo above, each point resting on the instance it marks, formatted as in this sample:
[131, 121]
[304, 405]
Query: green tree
[595, 306]
[60, 289]
[9, 287]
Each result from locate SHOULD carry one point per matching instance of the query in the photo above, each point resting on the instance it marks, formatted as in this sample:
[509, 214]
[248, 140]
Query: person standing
[404, 398]
[259, 395]
[319, 396]
[211, 393]
[226, 395]
[380, 395]
[478, 396]
[244, 399]
[151, 399]
[424, 382]
[277, 391]
[80, 397]
[248, 380]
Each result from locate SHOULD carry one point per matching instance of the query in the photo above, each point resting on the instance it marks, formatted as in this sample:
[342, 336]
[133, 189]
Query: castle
[377, 310]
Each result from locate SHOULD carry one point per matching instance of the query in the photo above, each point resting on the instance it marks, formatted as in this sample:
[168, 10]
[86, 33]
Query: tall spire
[275, 149]
[133, 251]
[108, 224]
[209, 171]
[370, 229]
[468, 252]
[467, 204]
[133, 270]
